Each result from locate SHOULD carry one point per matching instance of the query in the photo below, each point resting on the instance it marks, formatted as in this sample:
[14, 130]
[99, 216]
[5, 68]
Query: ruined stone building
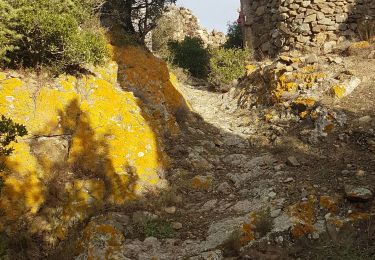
[271, 26]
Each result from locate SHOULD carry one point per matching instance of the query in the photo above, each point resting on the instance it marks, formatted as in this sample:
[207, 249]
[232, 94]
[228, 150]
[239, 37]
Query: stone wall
[272, 26]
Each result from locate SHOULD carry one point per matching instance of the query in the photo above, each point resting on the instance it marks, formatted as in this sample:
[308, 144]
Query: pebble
[176, 225]
[272, 194]
[364, 119]
[292, 161]
[360, 173]
[279, 167]
[170, 210]
[224, 188]
[287, 180]
[275, 213]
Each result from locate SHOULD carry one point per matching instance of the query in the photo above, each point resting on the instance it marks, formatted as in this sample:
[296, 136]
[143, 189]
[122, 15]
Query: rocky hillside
[178, 23]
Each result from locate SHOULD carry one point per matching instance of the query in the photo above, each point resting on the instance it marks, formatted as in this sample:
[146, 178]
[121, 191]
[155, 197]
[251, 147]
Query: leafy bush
[7, 34]
[9, 131]
[54, 33]
[191, 55]
[227, 65]
[234, 36]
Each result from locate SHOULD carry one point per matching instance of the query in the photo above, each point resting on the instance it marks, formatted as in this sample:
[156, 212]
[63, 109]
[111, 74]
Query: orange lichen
[303, 217]
[309, 102]
[100, 241]
[329, 203]
[358, 216]
[201, 182]
[247, 230]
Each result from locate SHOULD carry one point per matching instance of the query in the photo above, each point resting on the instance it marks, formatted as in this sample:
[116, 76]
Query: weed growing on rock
[159, 229]
[263, 222]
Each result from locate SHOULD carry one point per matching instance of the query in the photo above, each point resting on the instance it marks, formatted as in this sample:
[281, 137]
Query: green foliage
[191, 55]
[227, 65]
[234, 35]
[9, 131]
[7, 34]
[159, 229]
[53, 33]
[137, 17]
[162, 35]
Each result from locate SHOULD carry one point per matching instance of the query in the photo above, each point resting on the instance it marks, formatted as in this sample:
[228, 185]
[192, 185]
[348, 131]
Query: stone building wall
[272, 26]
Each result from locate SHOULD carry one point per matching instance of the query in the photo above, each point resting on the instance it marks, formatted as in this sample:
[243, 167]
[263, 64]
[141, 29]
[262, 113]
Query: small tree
[7, 34]
[235, 37]
[135, 16]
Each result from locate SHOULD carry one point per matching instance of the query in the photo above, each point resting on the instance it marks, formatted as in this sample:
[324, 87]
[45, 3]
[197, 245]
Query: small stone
[287, 180]
[272, 194]
[292, 161]
[279, 167]
[365, 119]
[170, 210]
[313, 58]
[345, 172]
[176, 225]
[209, 205]
[275, 213]
[224, 188]
[358, 194]
[360, 173]
[315, 236]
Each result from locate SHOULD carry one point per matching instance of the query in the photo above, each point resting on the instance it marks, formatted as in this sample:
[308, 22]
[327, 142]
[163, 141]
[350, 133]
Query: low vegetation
[55, 34]
[190, 54]
[227, 65]
[218, 66]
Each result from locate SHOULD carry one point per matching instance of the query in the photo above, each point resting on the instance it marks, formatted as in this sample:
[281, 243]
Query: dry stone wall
[281, 25]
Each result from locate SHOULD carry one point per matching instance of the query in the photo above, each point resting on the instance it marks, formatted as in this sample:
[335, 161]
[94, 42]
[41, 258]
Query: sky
[213, 14]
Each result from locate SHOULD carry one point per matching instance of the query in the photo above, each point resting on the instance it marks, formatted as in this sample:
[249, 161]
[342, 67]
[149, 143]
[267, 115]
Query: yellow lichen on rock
[148, 77]
[91, 141]
[338, 91]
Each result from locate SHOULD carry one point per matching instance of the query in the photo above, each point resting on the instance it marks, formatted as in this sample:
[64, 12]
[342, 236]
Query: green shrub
[234, 36]
[7, 35]
[9, 131]
[227, 65]
[58, 34]
[159, 229]
[191, 55]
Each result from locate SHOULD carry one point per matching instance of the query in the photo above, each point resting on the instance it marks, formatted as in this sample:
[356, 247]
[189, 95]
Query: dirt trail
[231, 186]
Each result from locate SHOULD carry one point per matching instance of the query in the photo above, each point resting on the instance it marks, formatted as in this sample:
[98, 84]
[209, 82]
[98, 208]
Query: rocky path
[233, 197]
